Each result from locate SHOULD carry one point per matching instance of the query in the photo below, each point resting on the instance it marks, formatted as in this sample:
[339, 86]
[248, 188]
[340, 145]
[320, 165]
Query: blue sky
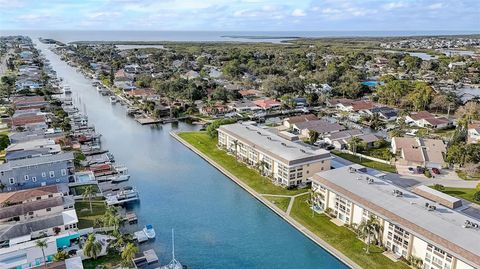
[266, 15]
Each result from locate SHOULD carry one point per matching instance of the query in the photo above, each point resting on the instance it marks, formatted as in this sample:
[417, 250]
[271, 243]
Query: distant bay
[67, 36]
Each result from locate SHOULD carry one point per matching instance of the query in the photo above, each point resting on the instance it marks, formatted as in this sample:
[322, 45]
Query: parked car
[436, 171]
[411, 170]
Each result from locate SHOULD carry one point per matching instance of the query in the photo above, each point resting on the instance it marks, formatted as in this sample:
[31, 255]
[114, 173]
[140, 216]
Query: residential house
[249, 93]
[411, 226]
[341, 139]
[39, 171]
[385, 112]
[417, 151]
[243, 106]
[267, 104]
[474, 132]
[29, 102]
[426, 119]
[287, 163]
[289, 122]
[322, 127]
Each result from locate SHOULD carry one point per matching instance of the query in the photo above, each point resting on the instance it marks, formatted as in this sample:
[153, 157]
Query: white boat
[67, 90]
[113, 99]
[174, 264]
[120, 178]
[149, 231]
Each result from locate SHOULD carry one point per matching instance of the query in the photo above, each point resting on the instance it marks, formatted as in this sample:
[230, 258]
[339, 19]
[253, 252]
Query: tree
[369, 229]
[312, 136]
[42, 244]
[212, 127]
[92, 247]
[476, 196]
[355, 144]
[4, 141]
[128, 253]
[89, 192]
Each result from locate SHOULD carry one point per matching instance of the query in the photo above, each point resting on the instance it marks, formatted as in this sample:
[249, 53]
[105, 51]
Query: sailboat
[174, 264]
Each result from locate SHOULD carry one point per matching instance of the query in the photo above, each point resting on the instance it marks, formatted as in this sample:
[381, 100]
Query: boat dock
[131, 217]
[140, 236]
[148, 257]
[147, 120]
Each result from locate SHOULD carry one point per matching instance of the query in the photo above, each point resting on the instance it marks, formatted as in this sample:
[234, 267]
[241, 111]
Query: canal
[217, 224]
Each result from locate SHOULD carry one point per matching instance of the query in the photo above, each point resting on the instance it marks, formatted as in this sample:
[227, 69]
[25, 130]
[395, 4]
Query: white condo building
[286, 162]
[433, 230]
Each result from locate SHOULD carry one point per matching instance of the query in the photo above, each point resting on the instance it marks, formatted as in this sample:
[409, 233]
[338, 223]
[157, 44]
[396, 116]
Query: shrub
[438, 187]
[476, 196]
[427, 173]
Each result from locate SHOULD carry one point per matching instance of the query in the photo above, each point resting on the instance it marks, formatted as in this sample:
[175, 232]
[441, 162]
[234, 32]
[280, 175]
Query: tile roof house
[417, 151]
[29, 102]
[427, 120]
[267, 104]
[288, 122]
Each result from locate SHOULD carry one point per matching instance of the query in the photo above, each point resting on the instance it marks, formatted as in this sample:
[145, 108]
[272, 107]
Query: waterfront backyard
[342, 239]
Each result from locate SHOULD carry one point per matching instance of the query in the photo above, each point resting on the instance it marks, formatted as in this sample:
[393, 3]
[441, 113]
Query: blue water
[372, 83]
[217, 224]
[214, 36]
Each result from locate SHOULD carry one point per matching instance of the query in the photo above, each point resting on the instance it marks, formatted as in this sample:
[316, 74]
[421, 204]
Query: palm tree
[354, 143]
[111, 218]
[42, 244]
[368, 229]
[128, 253]
[88, 192]
[60, 256]
[92, 247]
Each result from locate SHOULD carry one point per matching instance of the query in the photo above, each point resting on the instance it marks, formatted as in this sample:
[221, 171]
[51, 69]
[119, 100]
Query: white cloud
[298, 13]
[394, 5]
[435, 6]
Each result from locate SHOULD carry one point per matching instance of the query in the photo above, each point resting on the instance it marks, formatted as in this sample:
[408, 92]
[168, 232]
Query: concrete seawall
[347, 261]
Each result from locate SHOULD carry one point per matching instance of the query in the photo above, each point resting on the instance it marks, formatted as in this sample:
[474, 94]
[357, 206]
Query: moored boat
[149, 231]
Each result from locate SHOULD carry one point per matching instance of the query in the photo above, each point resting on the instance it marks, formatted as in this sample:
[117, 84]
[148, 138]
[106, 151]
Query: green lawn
[251, 177]
[108, 261]
[380, 153]
[341, 238]
[366, 162]
[464, 193]
[85, 217]
[280, 202]
[78, 190]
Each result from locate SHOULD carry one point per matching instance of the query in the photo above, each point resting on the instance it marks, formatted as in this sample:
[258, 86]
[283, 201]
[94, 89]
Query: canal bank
[284, 215]
[217, 224]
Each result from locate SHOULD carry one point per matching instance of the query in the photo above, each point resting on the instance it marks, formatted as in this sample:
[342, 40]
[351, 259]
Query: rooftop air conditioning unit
[370, 180]
[352, 170]
[431, 208]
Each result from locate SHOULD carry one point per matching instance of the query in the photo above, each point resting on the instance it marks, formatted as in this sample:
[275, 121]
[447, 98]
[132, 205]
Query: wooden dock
[147, 120]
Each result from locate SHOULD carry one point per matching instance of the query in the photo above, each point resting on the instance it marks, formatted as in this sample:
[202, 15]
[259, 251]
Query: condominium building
[36, 172]
[432, 229]
[286, 162]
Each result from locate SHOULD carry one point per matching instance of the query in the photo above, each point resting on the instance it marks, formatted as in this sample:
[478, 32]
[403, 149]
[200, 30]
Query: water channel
[217, 224]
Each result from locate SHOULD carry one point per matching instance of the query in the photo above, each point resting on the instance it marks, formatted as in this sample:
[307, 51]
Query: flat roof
[442, 227]
[273, 145]
[66, 156]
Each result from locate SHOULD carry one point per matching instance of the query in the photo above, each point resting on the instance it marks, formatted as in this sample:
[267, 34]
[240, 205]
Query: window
[49, 209]
[27, 177]
[44, 174]
[64, 172]
[52, 174]
[50, 195]
[11, 180]
[2, 173]
[34, 179]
